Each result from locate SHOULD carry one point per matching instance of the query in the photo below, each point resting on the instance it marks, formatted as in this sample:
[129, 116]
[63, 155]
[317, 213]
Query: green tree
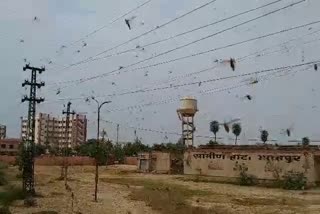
[264, 136]
[212, 143]
[39, 149]
[305, 141]
[118, 152]
[214, 128]
[236, 130]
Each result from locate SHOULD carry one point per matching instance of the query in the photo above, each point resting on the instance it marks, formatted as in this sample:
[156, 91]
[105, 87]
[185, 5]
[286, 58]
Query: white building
[52, 130]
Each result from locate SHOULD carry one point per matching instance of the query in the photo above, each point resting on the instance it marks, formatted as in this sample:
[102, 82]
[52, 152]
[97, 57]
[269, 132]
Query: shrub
[3, 179]
[5, 210]
[246, 179]
[9, 196]
[294, 181]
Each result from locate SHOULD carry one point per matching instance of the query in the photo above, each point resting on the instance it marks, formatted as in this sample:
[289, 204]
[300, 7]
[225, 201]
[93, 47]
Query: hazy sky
[287, 99]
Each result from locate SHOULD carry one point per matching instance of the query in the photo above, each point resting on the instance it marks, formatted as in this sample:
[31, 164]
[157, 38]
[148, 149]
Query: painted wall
[162, 162]
[263, 164]
[158, 162]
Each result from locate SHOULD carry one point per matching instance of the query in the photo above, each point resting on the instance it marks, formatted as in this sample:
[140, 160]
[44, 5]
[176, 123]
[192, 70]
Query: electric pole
[28, 144]
[117, 133]
[66, 145]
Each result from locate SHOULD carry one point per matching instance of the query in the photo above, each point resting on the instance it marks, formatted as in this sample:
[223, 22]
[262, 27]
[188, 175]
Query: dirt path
[114, 198]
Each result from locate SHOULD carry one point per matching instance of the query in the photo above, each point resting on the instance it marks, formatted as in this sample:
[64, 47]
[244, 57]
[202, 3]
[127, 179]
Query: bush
[11, 195]
[3, 179]
[294, 181]
[246, 179]
[4, 210]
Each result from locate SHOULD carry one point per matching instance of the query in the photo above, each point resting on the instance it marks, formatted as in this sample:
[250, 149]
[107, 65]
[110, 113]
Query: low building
[52, 130]
[9, 146]
[263, 162]
[158, 162]
[3, 131]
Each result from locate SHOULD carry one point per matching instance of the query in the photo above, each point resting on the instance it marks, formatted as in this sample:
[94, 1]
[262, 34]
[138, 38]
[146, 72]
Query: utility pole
[96, 178]
[117, 133]
[66, 145]
[28, 144]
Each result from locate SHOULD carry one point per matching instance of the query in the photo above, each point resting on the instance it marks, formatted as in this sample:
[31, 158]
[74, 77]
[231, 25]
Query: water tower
[186, 112]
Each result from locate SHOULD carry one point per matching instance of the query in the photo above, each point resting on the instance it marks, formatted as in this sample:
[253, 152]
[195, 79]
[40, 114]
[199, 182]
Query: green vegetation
[246, 179]
[294, 181]
[8, 192]
[236, 130]
[11, 194]
[264, 136]
[164, 197]
[3, 176]
[214, 128]
[305, 141]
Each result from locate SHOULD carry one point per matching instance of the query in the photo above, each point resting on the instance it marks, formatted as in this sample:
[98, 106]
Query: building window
[3, 146]
[10, 146]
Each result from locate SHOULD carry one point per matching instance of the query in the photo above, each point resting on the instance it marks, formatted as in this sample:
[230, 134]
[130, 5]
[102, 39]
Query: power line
[153, 130]
[104, 26]
[190, 43]
[187, 32]
[111, 22]
[234, 44]
[156, 28]
[145, 33]
[252, 54]
[211, 50]
[206, 92]
[204, 81]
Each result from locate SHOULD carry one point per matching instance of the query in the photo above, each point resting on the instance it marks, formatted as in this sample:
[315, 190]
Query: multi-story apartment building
[52, 130]
[3, 131]
[9, 146]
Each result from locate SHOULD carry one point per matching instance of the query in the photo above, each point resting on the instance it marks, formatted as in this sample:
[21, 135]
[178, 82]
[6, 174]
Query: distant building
[9, 146]
[3, 131]
[51, 130]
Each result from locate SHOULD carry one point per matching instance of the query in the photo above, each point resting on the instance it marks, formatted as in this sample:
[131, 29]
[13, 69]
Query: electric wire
[183, 46]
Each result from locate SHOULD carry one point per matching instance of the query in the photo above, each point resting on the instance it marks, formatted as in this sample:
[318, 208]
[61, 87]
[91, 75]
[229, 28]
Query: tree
[264, 136]
[212, 143]
[236, 130]
[39, 149]
[214, 128]
[305, 141]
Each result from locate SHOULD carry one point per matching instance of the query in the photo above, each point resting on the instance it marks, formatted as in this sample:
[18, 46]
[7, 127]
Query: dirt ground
[115, 197]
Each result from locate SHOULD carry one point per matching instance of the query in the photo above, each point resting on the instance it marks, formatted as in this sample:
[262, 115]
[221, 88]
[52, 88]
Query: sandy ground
[114, 198]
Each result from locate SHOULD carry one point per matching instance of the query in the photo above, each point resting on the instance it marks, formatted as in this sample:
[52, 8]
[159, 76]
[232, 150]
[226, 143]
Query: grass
[164, 197]
[46, 212]
[10, 195]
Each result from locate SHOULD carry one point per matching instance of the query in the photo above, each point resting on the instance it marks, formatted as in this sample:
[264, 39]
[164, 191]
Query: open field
[121, 190]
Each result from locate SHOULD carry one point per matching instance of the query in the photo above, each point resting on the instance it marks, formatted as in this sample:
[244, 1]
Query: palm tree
[236, 130]
[264, 136]
[305, 141]
[214, 127]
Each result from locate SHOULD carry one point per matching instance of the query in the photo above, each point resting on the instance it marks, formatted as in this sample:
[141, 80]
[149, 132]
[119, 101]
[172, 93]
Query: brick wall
[52, 160]
[131, 161]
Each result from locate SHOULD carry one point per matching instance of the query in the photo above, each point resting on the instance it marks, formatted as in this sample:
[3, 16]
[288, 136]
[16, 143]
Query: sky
[68, 32]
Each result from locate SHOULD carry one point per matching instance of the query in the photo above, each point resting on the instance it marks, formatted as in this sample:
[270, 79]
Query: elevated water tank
[188, 106]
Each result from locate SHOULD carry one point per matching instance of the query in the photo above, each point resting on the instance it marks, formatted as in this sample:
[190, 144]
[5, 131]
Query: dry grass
[163, 197]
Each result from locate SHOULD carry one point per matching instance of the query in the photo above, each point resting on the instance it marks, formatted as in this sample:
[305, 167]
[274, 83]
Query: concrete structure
[263, 162]
[186, 112]
[51, 130]
[3, 131]
[9, 146]
[158, 162]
